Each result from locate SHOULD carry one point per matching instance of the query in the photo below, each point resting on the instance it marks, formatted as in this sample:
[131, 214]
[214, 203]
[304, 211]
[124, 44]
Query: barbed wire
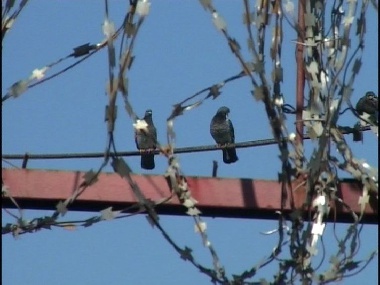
[38, 75]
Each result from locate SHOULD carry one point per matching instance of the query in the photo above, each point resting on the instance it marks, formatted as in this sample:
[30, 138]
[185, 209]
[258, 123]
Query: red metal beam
[243, 198]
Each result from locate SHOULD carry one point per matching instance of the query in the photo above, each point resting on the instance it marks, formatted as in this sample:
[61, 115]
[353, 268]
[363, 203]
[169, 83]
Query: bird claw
[147, 150]
[223, 145]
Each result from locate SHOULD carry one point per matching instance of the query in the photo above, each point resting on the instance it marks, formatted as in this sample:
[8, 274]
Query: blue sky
[178, 52]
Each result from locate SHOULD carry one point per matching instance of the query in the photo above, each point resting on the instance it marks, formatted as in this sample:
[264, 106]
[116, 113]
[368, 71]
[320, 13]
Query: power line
[246, 144]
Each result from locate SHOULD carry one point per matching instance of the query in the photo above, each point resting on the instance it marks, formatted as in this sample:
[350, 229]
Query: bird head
[371, 96]
[223, 111]
[148, 115]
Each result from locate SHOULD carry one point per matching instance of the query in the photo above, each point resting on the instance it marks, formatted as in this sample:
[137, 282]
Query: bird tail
[229, 155]
[147, 161]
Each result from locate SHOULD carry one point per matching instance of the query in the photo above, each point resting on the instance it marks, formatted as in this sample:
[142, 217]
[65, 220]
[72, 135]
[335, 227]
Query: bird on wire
[146, 140]
[222, 131]
[368, 107]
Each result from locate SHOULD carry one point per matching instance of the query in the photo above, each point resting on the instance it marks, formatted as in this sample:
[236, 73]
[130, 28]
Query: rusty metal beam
[222, 197]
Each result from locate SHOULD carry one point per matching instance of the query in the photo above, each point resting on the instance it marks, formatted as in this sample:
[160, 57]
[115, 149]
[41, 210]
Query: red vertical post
[300, 71]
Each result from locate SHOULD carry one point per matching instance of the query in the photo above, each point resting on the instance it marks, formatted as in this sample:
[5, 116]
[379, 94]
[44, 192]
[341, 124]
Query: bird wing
[137, 139]
[232, 131]
[153, 135]
[213, 129]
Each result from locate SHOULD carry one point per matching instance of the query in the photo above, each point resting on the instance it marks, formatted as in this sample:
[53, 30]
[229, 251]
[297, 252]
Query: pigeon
[146, 138]
[368, 104]
[368, 107]
[222, 131]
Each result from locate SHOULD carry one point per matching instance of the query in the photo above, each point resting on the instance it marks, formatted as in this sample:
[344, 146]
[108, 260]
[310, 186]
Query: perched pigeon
[222, 131]
[146, 138]
[368, 104]
[368, 107]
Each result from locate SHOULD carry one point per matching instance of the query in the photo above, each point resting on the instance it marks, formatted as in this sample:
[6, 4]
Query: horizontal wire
[264, 142]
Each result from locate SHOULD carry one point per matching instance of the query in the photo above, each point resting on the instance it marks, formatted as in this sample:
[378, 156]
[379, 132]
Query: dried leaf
[193, 212]
[200, 227]
[70, 227]
[111, 55]
[38, 73]
[177, 111]
[9, 4]
[186, 254]
[289, 7]
[312, 250]
[123, 86]
[347, 21]
[82, 50]
[108, 29]
[61, 208]
[9, 23]
[250, 44]
[214, 92]
[206, 4]
[356, 66]
[363, 201]
[18, 88]
[120, 167]
[258, 66]
[259, 20]
[357, 134]
[318, 229]
[277, 74]
[150, 221]
[127, 60]
[110, 90]
[192, 106]
[4, 190]
[218, 21]
[334, 260]
[16, 232]
[313, 70]
[130, 29]
[259, 93]
[107, 214]
[361, 26]
[189, 203]
[309, 20]
[351, 265]
[110, 115]
[143, 7]
[90, 177]
[234, 45]
[317, 128]
[91, 221]
[246, 18]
